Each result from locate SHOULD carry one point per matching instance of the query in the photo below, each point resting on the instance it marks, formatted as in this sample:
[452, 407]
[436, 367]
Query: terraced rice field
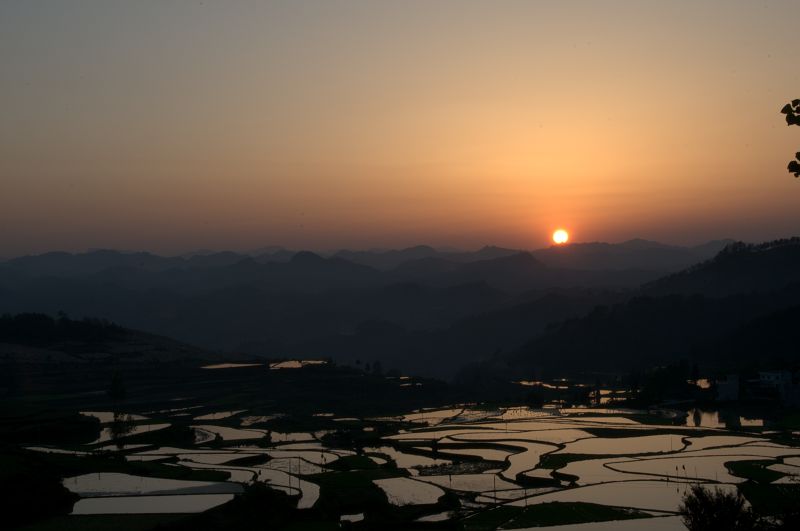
[513, 458]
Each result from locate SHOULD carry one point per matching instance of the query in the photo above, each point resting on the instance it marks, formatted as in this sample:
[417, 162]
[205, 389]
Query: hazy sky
[173, 125]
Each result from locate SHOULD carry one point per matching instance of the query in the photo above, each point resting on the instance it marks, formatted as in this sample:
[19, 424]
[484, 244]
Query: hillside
[651, 331]
[738, 268]
[441, 351]
[633, 254]
[32, 338]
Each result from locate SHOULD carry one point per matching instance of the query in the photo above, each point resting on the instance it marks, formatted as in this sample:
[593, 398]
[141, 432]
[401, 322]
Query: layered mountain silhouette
[739, 308]
[425, 309]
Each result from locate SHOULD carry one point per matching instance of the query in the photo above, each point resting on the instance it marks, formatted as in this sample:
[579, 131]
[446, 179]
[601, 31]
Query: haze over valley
[419, 308]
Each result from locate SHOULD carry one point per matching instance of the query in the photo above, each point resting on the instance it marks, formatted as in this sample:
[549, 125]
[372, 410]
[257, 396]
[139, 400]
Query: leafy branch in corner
[792, 112]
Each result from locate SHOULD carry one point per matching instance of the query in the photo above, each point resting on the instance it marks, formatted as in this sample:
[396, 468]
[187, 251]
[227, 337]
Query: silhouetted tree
[697, 417]
[705, 509]
[792, 112]
[120, 427]
[31, 491]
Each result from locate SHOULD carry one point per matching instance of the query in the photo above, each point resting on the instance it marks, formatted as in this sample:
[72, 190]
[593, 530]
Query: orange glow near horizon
[325, 125]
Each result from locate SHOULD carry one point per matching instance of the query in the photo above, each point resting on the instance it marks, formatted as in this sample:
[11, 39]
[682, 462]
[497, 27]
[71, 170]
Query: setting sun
[560, 237]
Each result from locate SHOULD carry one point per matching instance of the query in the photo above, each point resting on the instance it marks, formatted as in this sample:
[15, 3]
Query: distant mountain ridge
[722, 311]
[422, 308]
[632, 254]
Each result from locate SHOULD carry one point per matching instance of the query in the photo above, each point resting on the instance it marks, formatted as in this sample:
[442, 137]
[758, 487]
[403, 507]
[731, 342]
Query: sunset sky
[171, 126]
